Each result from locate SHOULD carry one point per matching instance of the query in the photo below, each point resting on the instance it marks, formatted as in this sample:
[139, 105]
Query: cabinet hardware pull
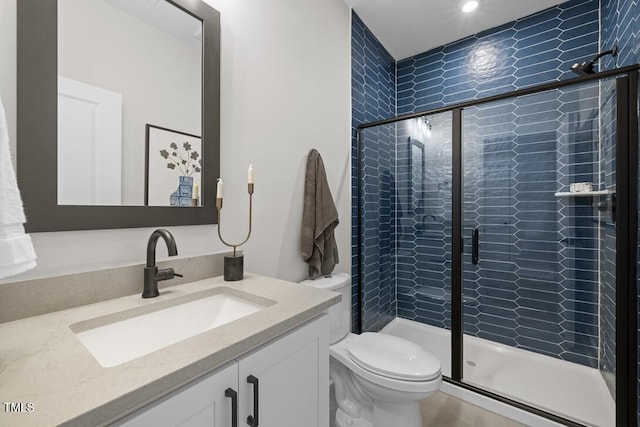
[252, 420]
[234, 405]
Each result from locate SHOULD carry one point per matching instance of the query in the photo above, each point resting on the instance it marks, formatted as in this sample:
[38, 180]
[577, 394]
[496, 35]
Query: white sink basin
[118, 341]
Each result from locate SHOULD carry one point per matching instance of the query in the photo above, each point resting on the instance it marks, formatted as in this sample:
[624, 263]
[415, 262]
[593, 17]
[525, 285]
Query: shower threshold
[567, 389]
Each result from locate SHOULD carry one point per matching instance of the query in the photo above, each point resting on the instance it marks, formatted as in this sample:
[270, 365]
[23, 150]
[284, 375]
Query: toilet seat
[393, 357]
[340, 353]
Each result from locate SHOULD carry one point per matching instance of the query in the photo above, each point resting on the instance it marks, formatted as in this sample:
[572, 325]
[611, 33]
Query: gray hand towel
[319, 220]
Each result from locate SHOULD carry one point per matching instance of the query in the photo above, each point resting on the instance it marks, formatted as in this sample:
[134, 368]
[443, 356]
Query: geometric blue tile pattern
[526, 292]
[378, 227]
[373, 88]
[620, 25]
[607, 238]
[423, 261]
[529, 51]
[536, 284]
[531, 292]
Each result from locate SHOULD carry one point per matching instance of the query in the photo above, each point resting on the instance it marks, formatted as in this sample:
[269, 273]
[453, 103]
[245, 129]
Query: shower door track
[520, 92]
[626, 238]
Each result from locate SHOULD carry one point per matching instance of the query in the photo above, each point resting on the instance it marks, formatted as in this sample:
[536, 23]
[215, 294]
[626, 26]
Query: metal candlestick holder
[234, 265]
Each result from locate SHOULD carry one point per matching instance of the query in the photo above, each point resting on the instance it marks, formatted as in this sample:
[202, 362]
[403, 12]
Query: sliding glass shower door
[501, 235]
[539, 248]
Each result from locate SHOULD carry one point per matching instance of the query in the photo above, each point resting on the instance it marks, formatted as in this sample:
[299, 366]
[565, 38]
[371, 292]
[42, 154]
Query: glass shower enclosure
[501, 235]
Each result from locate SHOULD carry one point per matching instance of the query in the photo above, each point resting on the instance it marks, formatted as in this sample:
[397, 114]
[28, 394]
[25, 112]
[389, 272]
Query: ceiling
[165, 17]
[408, 27]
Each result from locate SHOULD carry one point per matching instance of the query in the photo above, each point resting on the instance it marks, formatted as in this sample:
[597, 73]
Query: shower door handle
[475, 246]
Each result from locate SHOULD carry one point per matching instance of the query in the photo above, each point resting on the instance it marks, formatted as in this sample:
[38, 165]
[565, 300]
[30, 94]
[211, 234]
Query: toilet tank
[339, 314]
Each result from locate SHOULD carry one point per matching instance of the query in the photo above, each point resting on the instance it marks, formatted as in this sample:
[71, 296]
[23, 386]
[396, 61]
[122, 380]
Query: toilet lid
[393, 357]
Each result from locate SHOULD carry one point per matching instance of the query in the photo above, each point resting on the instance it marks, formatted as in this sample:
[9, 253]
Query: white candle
[196, 191]
[250, 175]
[219, 189]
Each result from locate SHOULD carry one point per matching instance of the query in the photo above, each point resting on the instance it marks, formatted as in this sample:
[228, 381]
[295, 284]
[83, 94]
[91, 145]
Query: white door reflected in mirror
[90, 132]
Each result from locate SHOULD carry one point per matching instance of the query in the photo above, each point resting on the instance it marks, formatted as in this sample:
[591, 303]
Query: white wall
[285, 89]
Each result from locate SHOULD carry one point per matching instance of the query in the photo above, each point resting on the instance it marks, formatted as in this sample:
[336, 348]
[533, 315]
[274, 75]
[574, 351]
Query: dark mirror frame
[37, 129]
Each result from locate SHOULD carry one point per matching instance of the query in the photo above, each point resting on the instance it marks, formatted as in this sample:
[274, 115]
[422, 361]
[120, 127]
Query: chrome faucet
[151, 273]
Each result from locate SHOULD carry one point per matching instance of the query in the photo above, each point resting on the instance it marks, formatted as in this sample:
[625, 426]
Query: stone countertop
[46, 368]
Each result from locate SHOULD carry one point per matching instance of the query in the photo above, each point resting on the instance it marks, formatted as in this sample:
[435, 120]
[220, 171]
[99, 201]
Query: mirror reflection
[129, 103]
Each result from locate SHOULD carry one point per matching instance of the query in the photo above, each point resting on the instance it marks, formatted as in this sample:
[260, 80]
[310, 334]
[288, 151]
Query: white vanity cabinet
[201, 403]
[283, 383]
[293, 379]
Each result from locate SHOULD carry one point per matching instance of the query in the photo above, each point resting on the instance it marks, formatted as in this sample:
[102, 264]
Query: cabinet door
[199, 404]
[293, 379]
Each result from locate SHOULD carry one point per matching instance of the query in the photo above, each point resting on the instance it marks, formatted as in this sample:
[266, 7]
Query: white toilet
[379, 379]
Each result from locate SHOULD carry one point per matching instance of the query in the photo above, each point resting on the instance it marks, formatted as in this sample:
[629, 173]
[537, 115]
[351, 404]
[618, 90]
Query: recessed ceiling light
[469, 6]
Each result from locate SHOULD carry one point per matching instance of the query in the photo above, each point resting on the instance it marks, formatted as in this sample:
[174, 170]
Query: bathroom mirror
[146, 72]
[118, 113]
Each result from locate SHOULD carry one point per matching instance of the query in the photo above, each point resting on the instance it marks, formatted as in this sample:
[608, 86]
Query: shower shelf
[583, 193]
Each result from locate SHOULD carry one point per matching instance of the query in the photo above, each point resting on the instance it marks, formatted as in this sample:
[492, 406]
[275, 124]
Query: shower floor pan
[573, 391]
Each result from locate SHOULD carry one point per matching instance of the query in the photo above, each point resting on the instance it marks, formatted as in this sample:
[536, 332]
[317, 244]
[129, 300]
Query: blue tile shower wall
[620, 25]
[523, 53]
[530, 290]
[538, 49]
[535, 285]
[607, 238]
[424, 172]
[373, 98]
[379, 219]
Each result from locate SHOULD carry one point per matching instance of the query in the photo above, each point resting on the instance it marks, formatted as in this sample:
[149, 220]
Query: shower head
[587, 67]
[582, 69]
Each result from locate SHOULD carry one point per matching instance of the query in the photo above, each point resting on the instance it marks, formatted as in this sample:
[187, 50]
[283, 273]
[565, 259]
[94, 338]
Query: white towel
[16, 249]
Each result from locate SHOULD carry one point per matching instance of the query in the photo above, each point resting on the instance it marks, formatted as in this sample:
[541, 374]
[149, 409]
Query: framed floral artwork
[173, 167]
